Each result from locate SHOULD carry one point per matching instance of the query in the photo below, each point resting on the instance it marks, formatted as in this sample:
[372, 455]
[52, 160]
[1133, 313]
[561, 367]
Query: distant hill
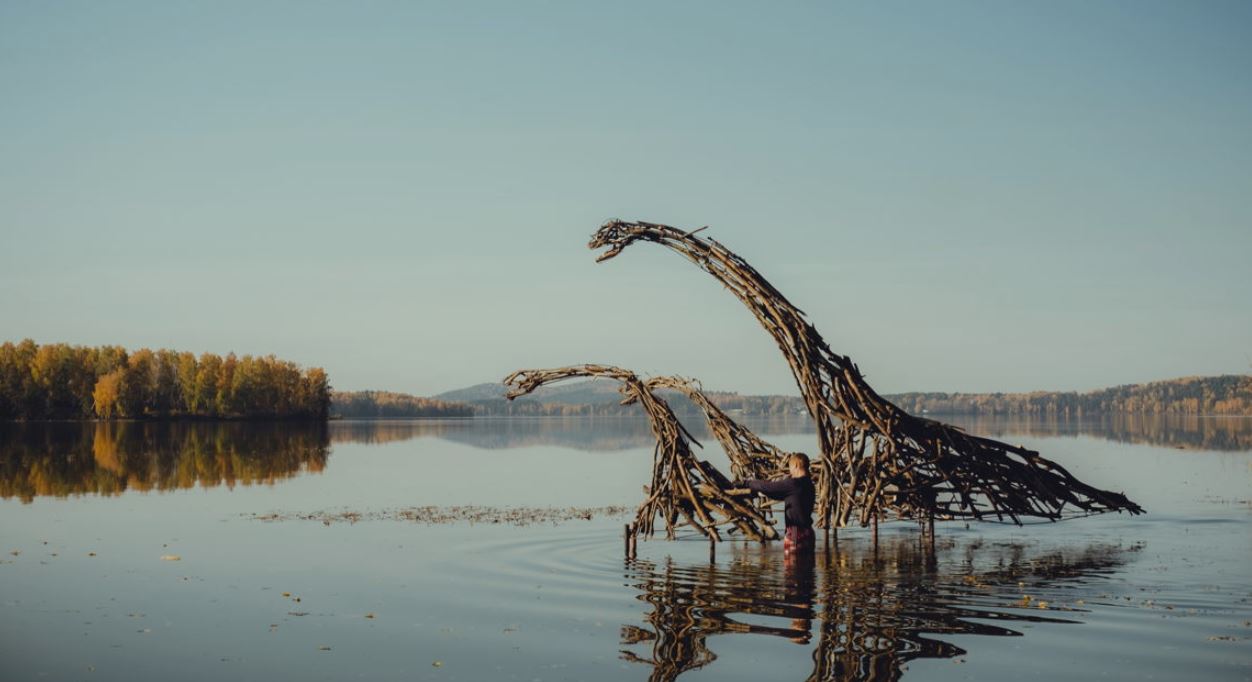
[590, 392]
[600, 397]
[388, 405]
[1220, 395]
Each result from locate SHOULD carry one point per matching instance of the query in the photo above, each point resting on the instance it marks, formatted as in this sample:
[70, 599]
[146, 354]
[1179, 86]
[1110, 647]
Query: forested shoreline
[62, 381]
[1229, 394]
[59, 381]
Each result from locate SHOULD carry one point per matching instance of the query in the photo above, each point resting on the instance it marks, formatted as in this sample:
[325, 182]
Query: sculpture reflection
[109, 458]
[870, 611]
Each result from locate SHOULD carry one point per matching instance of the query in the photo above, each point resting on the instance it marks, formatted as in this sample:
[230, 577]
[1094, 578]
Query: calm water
[88, 512]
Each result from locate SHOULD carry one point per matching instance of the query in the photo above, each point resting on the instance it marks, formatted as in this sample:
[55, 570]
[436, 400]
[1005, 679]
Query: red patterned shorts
[798, 540]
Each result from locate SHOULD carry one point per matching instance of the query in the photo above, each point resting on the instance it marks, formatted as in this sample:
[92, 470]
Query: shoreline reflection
[870, 611]
[623, 433]
[110, 458]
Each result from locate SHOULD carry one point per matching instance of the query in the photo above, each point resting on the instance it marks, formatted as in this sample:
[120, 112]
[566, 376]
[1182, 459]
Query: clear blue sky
[963, 196]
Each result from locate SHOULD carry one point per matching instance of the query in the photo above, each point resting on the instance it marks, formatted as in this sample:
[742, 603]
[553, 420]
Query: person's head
[798, 462]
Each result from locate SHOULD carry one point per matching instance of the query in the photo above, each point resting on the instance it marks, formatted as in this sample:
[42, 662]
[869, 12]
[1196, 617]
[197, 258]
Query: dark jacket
[799, 495]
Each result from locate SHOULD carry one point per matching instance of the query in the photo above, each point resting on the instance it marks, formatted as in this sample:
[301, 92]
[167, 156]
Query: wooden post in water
[712, 551]
[626, 540]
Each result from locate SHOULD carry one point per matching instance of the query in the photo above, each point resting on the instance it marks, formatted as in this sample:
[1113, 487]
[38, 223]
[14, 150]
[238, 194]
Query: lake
[492, 549]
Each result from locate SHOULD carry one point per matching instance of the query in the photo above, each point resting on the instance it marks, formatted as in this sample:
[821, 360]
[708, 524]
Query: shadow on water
[64, 459]
[870, 611]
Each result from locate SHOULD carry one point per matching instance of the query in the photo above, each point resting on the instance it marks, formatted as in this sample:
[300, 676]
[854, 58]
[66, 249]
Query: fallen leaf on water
[323, 648]
[91, 553]
[171, 557]
[286, 594]
[369, 615]
[437, 664]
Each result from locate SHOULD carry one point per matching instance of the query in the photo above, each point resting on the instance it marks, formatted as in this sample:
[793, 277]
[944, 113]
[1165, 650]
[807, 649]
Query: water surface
[87, 513]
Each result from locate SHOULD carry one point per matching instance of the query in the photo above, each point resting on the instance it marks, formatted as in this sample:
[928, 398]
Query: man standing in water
[798, 493]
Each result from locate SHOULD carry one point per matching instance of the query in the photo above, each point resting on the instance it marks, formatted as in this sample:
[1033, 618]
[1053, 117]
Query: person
[798, 493]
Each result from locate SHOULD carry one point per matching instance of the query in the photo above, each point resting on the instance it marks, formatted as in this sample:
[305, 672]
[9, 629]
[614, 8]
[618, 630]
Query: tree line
[61, 381]
[388, 405]
[1220, 395]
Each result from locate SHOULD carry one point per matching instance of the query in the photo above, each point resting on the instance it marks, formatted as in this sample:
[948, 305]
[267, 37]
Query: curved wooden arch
[681, 485]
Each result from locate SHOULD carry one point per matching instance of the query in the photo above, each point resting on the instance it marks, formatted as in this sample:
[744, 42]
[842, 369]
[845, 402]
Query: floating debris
[171, 557]
[472, 514]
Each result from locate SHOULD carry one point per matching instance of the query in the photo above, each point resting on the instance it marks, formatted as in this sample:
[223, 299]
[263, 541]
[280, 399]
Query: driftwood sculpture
[876, 459]
[681, 486]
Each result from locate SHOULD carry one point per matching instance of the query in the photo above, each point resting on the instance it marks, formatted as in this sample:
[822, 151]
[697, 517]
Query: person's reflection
[799, 579]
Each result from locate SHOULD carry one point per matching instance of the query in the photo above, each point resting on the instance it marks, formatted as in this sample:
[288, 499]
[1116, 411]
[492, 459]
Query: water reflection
[1188, 432]
[621, 433]
[61, 459]
[110, 458]
[871, 611]
[580, 433]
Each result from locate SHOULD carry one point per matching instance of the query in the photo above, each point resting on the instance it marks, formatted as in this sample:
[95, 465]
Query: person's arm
[777, 490]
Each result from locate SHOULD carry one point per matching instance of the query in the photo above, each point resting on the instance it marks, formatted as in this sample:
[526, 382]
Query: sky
[962, 196]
